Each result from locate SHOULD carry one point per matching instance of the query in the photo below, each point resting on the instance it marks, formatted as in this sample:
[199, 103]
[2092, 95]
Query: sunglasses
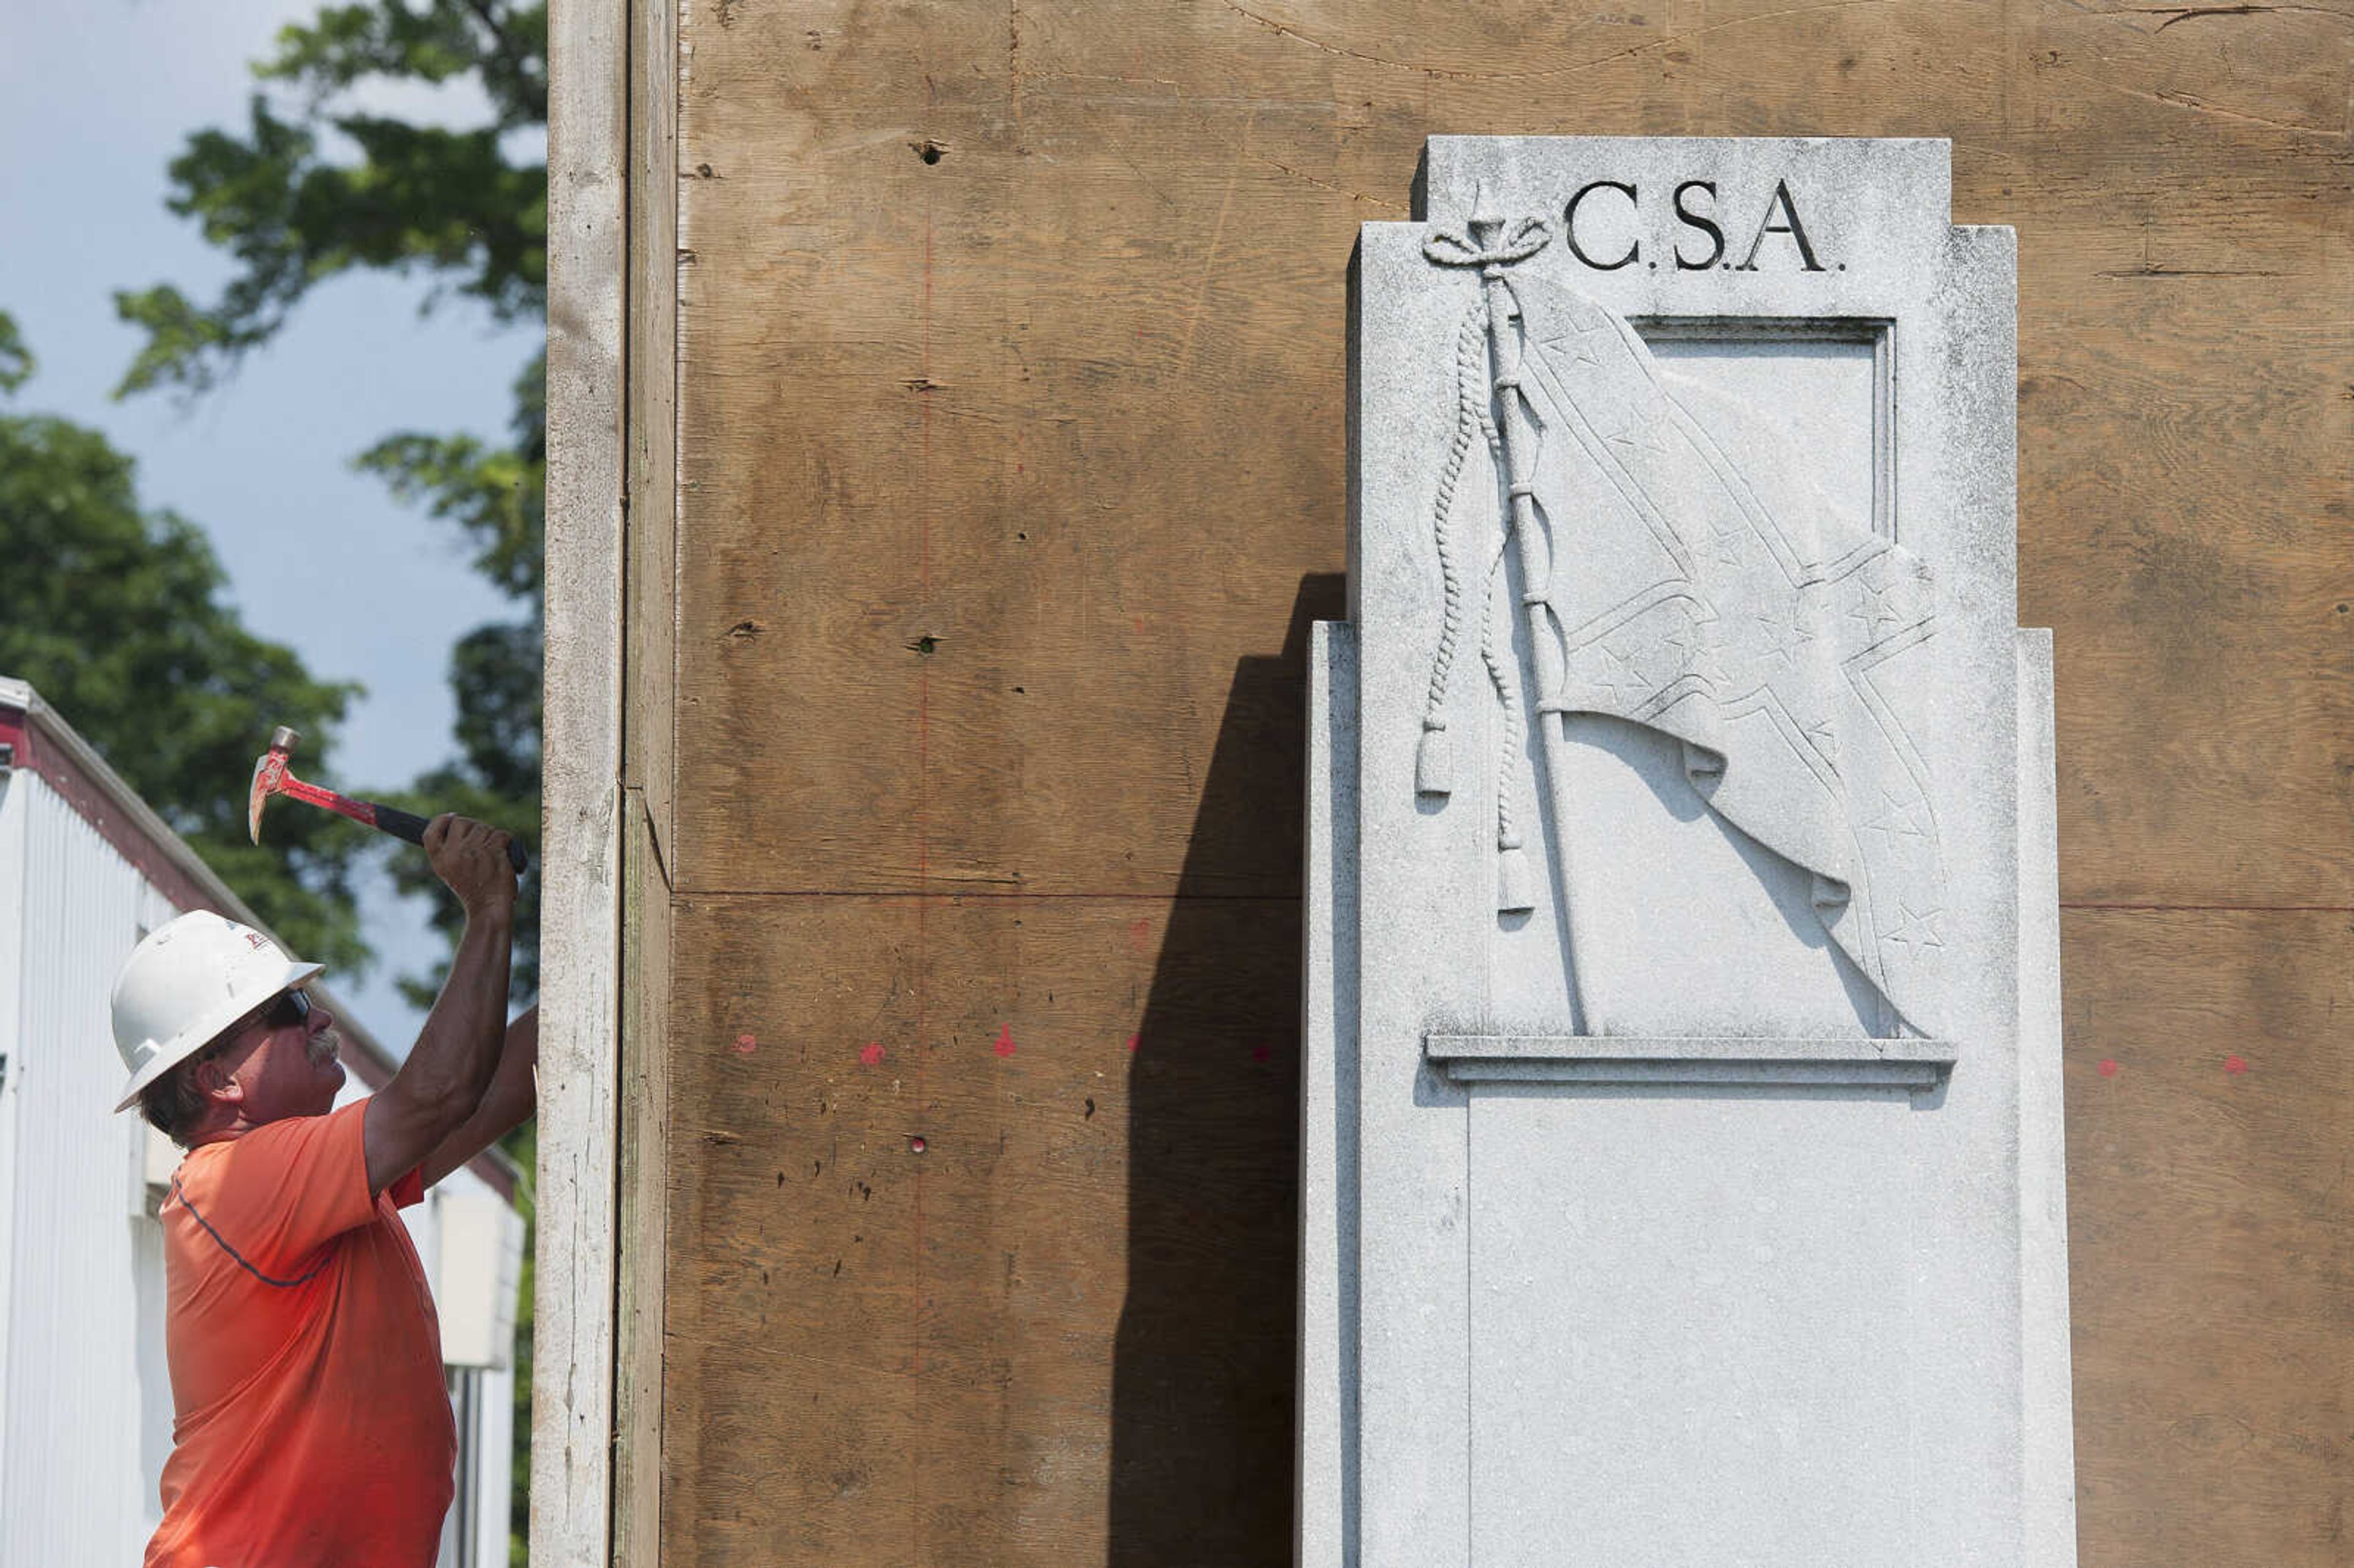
[285, 1011]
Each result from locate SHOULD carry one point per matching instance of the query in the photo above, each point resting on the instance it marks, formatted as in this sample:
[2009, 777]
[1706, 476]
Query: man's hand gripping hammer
[270, 777]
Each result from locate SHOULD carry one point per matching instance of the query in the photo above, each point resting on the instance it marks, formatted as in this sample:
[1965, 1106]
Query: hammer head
[269, 775]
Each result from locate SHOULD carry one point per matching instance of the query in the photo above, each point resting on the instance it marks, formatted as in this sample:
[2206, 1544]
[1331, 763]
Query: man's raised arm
[457, 1051]
[513, 1096]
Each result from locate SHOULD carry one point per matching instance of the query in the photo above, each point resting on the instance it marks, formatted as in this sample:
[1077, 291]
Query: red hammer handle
[391, 820]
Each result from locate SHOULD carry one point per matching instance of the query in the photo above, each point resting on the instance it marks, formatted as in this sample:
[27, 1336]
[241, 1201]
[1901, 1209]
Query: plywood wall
[966, 721]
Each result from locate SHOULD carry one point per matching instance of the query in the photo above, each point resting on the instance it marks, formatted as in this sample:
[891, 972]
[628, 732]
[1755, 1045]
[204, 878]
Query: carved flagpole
[1491, 251]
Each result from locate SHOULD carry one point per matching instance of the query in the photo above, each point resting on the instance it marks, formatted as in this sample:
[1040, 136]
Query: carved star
[1620, 674]
[1658, 667]
[1802, 631]
[1781, 638]
[1724, 540]
[1574, 348]
[1860, 607]
[1887, 610]
[1577, 345]
[1709, 665]
[1641, 436]
[1915, 930]
[1895, 819]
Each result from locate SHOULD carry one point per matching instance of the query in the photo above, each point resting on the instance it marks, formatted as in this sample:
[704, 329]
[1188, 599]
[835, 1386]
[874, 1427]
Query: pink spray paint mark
[2108, 1069]
[871, 1053]
[1004, 1046]
[2235, 1065]
[1259, 1052]
[1133, 1042]
[1140, 934]
[746, 1044]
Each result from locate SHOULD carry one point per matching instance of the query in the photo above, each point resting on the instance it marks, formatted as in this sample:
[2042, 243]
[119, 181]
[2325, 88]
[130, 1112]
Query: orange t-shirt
[312, 1425]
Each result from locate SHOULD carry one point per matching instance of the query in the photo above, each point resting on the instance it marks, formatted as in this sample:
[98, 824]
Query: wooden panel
[1021, 402]
[2209, 1098]
[2184, 437]
[1062, 407]
[882, 1352]
[1010, 456]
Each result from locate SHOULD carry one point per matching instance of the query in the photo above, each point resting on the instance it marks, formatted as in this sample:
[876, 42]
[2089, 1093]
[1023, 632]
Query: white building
[86, 870]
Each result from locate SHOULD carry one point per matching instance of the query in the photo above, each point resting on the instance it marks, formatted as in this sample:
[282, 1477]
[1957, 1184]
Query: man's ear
[216, 1082]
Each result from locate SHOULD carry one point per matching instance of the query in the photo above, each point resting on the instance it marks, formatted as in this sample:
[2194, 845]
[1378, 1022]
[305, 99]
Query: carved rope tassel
[1493, 245]
[1515, 891]
[1433, 757]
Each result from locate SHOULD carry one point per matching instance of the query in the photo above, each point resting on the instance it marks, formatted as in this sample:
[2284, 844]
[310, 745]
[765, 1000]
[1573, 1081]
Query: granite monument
[1682, 1168]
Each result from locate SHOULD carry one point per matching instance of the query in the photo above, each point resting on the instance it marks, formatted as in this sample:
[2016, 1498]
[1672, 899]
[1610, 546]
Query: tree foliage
[125, 630]
[315, 184]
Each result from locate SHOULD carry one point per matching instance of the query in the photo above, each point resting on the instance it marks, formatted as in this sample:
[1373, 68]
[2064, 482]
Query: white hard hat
[191, 979]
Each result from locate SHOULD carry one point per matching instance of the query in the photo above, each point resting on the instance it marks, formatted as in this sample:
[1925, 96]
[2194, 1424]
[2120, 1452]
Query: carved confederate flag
[1731, 606]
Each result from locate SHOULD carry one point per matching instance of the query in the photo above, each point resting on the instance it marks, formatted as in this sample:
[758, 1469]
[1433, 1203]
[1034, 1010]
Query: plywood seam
[643, 1232]
[2217, 908]
[651, 632]
[963, 896]
[654, 843]
[649, 656]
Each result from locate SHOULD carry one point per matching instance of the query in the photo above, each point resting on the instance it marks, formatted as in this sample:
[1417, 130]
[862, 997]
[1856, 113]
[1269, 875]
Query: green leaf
[16, 364]
[425, 200]
[495, 495]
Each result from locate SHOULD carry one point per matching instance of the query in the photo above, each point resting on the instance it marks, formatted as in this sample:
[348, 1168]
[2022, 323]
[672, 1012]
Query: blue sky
[96, 97]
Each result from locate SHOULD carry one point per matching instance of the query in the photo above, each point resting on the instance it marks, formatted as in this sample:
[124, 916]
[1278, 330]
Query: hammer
[270, 777]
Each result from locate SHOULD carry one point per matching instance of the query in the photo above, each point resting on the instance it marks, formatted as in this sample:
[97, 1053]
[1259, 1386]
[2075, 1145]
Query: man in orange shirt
[313, 1428]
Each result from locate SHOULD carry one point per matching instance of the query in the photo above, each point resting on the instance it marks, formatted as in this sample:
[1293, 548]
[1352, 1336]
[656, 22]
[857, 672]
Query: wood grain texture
[2212, 1276]
[1010, 467]
[901, 1353]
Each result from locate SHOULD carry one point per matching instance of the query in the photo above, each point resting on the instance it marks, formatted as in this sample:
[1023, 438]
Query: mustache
[323, 1046]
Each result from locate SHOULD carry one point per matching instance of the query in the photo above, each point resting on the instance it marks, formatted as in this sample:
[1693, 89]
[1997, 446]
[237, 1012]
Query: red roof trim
[89, 802]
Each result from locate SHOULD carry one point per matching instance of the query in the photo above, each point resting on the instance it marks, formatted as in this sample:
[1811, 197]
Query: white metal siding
[70, 1492]
[14, 792]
